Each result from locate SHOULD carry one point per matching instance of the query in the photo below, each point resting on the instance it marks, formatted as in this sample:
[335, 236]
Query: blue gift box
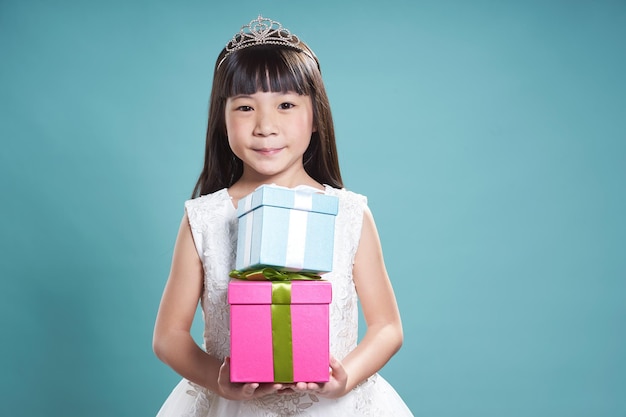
[284, 228]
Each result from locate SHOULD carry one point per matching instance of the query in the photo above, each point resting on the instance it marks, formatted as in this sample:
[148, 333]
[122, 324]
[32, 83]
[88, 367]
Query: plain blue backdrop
[489, 136]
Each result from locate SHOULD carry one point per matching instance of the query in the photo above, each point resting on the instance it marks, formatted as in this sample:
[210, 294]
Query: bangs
[267, 69]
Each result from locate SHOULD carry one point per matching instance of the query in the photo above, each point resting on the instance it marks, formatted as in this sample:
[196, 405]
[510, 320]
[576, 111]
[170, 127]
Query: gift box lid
[260, 292]
[299, 198]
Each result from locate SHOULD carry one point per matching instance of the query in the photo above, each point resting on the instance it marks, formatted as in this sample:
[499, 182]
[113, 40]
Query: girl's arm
[383, 337]
[172, 340]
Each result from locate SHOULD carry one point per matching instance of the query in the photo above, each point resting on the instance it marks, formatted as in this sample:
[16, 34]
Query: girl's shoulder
[207, 209]
[346, 196]
[218, 197]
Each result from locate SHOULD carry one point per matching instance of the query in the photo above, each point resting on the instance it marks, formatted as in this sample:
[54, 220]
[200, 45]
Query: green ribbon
[281, 331]
[282, 346]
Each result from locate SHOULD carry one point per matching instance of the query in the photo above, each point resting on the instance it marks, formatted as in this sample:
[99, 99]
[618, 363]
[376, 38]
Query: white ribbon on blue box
[286, 228]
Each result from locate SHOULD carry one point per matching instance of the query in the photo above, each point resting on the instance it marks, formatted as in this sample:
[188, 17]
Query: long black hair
[267, 68]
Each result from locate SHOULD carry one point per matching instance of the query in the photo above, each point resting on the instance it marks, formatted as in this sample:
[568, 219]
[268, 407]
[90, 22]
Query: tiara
[262, 31]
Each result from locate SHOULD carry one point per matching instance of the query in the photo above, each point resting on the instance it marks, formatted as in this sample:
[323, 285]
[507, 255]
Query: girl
[270, 122]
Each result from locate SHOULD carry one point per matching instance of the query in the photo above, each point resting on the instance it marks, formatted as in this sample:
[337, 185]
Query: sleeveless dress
[213, 224]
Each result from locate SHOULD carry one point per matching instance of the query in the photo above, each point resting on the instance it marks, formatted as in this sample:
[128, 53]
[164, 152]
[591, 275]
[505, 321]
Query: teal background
[490, 138]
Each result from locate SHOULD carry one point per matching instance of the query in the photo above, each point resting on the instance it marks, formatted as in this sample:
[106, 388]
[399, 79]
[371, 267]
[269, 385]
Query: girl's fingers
[307, 386]
[248, 389]
[338, 371]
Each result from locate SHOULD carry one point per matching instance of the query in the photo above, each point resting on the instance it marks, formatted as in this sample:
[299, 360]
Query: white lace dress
[213, 223]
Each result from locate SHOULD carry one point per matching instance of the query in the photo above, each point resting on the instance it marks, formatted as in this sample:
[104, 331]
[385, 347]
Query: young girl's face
[269, 132]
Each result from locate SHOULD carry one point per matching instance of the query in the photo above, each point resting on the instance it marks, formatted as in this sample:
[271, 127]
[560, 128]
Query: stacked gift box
[279, 305]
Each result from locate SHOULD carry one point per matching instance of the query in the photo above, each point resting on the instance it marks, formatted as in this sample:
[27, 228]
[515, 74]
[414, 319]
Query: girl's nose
[265, 124]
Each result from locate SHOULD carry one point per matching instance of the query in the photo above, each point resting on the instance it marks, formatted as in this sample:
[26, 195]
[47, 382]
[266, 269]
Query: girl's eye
[244, 108]
[285, 106]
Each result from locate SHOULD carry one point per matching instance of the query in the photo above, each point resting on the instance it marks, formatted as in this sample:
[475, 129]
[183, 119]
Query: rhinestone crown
[262, 31]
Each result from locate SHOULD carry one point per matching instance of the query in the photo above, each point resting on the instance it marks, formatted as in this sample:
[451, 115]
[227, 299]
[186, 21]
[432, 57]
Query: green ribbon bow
[271, 274]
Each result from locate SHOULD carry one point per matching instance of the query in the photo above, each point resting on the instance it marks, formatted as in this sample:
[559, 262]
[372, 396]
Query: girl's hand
[336, 385]
[247, 391]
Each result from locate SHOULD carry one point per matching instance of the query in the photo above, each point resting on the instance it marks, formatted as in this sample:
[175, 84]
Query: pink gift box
[261, 353]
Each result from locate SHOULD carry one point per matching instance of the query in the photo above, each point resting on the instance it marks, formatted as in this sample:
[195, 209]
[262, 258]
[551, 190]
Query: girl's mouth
[268, 151]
